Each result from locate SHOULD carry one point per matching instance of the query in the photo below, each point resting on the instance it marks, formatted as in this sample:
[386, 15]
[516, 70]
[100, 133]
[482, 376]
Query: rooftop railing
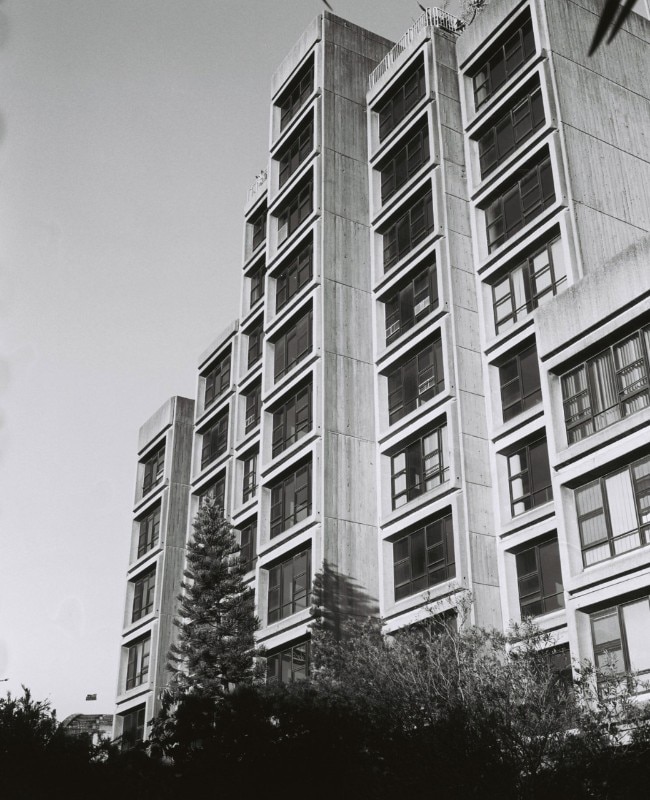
[432, 17]
[256, 188]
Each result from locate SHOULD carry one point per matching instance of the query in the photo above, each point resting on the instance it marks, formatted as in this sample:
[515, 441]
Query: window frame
[255, 344]
[217, 380]
[577, 424]
[144, 591]
[410, 226]
[545, 598]
[404, 301]
[527, 397]
[249, 483]
[295, 95]
[288, 505]
[138, 662]
[418, 478]
[535, 496]
[217, 491]
[297, 208]
[280, 656]
[256, 278]
[258, 227]
[622, 642]
[253, 408]
[214, 440]
[428, 379]
[401, 99]
[300, 405]
[295, 273]
[248, 545]
[149, 531]
[133, 733]
[428, 573]
[296, 151]
[154, 469]
[283, 579]
[300, 330]
[404, 162]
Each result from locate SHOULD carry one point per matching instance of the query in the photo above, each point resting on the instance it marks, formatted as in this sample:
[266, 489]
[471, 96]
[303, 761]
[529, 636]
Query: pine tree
[216, 618]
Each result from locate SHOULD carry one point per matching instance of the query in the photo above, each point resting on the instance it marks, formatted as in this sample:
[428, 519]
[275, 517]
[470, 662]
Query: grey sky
[129, 133]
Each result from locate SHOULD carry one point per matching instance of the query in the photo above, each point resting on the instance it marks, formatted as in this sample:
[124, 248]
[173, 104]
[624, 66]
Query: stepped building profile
[440, 377]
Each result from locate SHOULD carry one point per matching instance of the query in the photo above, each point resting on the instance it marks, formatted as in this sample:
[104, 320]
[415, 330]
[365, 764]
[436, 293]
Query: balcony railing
[260, 183]
[432, 17]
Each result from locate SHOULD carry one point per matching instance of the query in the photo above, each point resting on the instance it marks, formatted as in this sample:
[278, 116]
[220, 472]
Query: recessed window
[250, 478]
[148, 531]
[528, 285]
[291, 499]
[294, 274]
[137, 669]
[411, 227]
[295, 212]
[214, 441]
[529, 477]
[539, 578]
[614, 512]
[292, 420]
[253, 408]
[607, 387]
[257, 285]
[620, 638]
[507, 57]
[419, 378]
[295, 96]
[215, 491]
[154, 467]
[143, 595]
[413, 301]
[402, 165]
[401, 100]
[248, 545]
[420, 466]
[424, 558]
[217, 380]
[291, 664]
[258, 226]
[296, 151]
[255, 339]
[133, 723]
[528, 192]
[509, 131]
[520, 383]
[289, 587]
[293, 345]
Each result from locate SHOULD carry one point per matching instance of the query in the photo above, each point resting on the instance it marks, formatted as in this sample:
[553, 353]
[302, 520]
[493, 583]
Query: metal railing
[254, 190]
[432, 17]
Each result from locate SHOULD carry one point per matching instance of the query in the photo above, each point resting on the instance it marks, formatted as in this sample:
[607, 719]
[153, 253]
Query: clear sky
[130, 131]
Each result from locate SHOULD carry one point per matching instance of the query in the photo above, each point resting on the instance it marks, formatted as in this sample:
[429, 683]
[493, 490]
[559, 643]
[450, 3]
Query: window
[215, 441]
[296, 95]
[531, 192]
[154, 467]
[148, 531]
[528, 285]
[294, 275]
[296, 152]
[509, 55]
[529, 477]
[520, 384]
[257, 285]
[291, 499]
[540, 579]
[620, 638]
[133, 727]
[415, 381]
[412, 302]
[248, 545]
[403, 164]
[255, 338]
[408, 230]
[288, 665]
[289, 586]
[614, 512]
[296, 211]
[137, 669]
[608, 387]
[216, 491]
[217, 380]
[293, 345]
[419, 467]
[258, 224]
[143, 595]
[401, 100]
[292, 420]
[514, 127]
[250, 478]
[424, 558]
[253, 406]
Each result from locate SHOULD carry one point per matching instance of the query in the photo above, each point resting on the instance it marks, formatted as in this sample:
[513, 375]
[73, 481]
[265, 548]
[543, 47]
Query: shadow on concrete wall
[337, 598]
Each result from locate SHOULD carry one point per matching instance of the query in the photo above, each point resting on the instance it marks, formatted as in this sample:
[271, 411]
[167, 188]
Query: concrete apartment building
[440, 378]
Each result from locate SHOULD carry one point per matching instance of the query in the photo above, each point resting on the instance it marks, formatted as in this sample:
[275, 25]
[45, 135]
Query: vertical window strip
[408, 230]
[291, 500]
[529, 477]
[415, 381]
[292, 421]
[148, 531]
[289, 587]
[420, 467]
[297, 273]
[296, 95]
[401, 100]
[424, 558]
[412, 302]
[293, 345]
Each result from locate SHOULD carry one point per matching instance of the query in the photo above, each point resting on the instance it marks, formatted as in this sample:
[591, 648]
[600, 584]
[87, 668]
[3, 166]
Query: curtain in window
[603, 390]
[622, 512]
[636, 618]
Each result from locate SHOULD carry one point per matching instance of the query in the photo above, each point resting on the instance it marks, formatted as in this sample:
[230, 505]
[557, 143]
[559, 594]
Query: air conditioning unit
[421, 306]
[425, 385]
[250, 420]
[391, 330]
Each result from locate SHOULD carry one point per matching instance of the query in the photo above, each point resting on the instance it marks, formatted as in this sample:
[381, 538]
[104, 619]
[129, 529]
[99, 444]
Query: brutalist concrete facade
[440, 378]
